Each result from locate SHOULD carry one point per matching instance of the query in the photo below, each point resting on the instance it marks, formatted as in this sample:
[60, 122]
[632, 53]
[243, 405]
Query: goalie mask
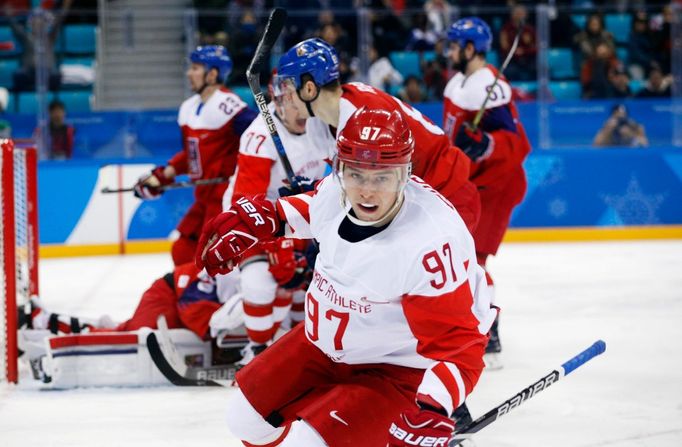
[373, 164]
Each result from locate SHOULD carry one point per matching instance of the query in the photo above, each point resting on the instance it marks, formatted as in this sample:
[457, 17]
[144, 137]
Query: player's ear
[470, 50]
[212, 76]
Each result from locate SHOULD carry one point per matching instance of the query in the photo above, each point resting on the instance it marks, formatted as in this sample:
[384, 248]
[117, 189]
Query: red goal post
[19, 246]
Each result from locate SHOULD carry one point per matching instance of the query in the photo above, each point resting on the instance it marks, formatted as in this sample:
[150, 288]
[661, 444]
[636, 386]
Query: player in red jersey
[396, 314]
[309, 71]
[497, 147]
[212, 120]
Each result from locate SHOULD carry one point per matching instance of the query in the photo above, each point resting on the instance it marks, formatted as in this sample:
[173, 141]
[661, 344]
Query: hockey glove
[149, 186]
[301, 184]
[478, 145]
[432, 428]
[226, 237]
[287, 266]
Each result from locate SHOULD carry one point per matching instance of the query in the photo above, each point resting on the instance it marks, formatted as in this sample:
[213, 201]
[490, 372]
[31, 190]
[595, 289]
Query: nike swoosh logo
[337, 417]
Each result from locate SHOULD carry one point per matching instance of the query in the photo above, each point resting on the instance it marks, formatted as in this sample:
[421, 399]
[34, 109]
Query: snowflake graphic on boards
[634, 206]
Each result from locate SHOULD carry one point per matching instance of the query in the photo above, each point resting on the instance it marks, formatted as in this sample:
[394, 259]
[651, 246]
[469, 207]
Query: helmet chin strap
[308, 103]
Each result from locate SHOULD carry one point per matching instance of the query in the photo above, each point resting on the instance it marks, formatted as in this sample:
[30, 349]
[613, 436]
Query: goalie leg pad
[113, 358]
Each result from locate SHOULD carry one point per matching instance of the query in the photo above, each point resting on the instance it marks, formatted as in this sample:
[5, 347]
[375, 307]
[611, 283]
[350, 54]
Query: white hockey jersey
[259, 169]
[411, 295]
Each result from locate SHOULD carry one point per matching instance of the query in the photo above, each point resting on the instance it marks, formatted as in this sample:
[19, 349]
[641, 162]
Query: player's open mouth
[368, 208]
[300, 122]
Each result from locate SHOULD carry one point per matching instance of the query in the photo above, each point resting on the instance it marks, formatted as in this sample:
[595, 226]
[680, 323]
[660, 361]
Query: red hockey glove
[417, 427]
[149, 186]
[287, 266]
[226, 237]
[478, 145]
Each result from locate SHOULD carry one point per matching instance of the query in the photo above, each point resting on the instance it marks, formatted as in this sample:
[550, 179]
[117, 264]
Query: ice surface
[557, 299]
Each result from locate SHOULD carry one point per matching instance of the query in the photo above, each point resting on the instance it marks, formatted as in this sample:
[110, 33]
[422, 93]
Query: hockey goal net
[19, 246]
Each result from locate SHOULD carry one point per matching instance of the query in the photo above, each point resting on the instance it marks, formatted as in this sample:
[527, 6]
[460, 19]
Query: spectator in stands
[592, 36]
[243, 41]
[5, 128]
[436, 73]
[382, 74]
[412, 91]
[620, 83]
[388, 32]
[658, 85]
[522, 66]
[61, 133]
[421, 37]
[597, 71]
[439, 15]
[662, 45]
[621, 130]
[639, 46]
[39, 22]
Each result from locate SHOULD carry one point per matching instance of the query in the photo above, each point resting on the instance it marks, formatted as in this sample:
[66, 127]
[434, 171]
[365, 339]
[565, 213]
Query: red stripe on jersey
[93, 339]
[445, 376]
[256, 310]
[446, 328]
[253, 176]
[300, 205]
[282, 301]
[298, 307]
[261, 337]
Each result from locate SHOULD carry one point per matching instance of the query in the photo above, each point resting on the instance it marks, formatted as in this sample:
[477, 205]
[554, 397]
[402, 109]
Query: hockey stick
[512, 50]
[222, 375]
[491, 416]
[272, 31]
[176, 185]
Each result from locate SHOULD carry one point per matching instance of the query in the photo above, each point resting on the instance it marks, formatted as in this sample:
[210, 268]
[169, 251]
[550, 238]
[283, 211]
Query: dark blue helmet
[312, 56]
[213, 56]
[474, 30]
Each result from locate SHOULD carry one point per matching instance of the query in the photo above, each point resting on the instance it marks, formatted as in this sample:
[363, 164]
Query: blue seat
[565, 89]
[622, 55]
[429, 56]
[27, 102]
[244, 93]
[7, 69]
[619, 25]
[79, 39]
[580, 20]
[7, 37]
[493, 58]
[530, 87]
[637, 85]
[561, 65]
[76, 101]
[87, 61]
[406, 62]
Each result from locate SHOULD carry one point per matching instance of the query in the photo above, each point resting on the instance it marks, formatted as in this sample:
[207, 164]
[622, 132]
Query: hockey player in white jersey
[397, 313]
[272, 273]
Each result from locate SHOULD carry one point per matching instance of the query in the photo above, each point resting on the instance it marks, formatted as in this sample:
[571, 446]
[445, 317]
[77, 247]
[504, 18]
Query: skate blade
[493, 361]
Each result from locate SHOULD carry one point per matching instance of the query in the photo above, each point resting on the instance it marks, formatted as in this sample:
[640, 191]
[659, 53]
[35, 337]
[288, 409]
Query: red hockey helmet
[375, 138]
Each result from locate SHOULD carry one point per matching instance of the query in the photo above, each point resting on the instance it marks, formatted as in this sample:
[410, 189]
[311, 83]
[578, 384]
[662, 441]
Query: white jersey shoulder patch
[220, 108]
[470, 93]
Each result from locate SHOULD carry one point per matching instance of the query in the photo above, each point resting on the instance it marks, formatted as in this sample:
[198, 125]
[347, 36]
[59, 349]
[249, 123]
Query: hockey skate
[249, 352]
[492, 357]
